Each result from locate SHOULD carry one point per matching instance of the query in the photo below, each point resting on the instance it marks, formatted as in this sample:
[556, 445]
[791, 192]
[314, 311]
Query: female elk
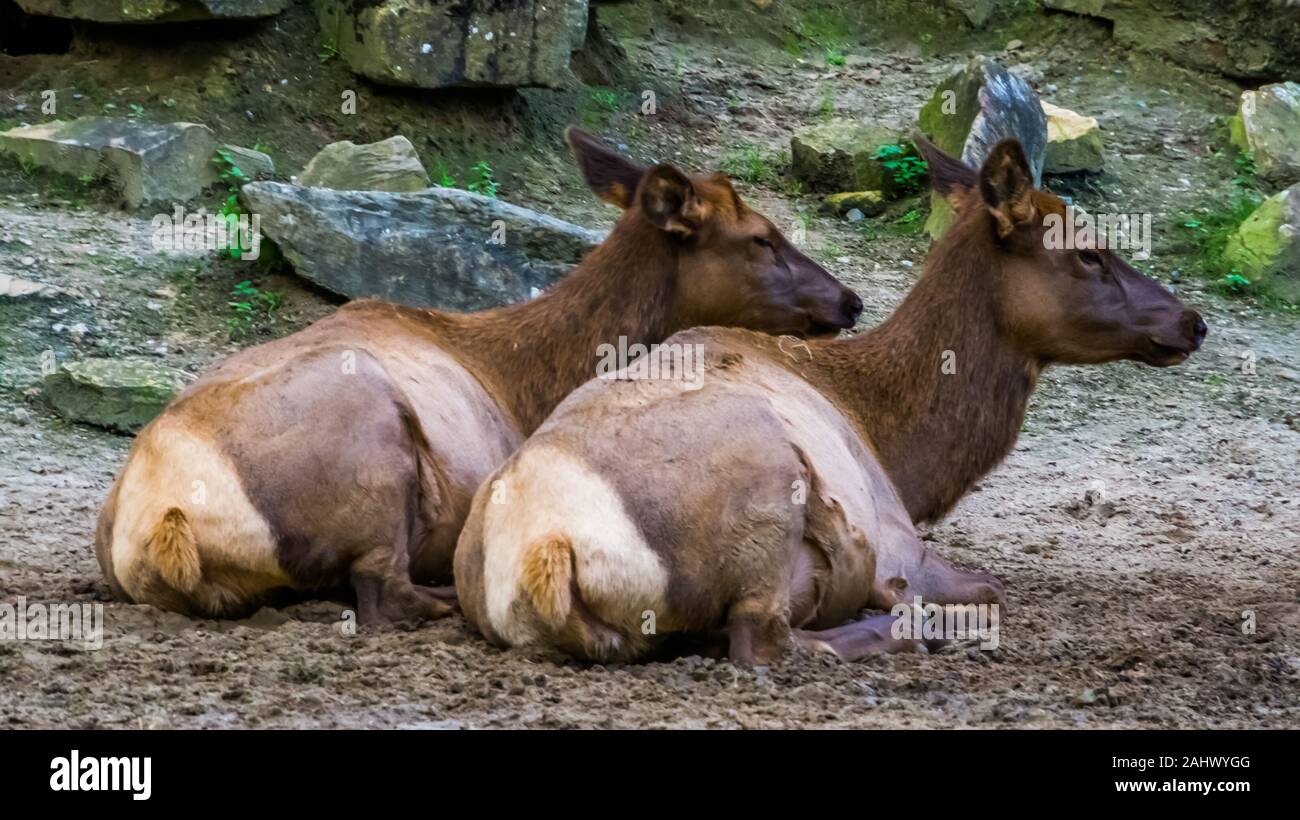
[774, 493]
[349, 451]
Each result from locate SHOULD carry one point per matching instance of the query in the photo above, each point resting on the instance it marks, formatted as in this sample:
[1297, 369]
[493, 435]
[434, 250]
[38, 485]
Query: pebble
[854, 215]
[27, 261]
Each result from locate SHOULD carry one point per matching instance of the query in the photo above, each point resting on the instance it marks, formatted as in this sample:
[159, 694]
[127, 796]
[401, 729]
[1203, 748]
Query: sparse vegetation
[908, 169]
[753, 164]
[252, 307]
[482, 181]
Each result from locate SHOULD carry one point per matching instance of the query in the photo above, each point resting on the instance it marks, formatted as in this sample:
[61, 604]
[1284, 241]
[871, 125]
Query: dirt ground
[1126, 609]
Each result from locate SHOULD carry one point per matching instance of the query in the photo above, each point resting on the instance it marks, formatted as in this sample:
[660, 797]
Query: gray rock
[1241, 38]
[840, 156]
[1268, 125]
[145, 162]
[432, 248]
[253, 163]
[975, 109]
[390, 165]
[442, 43]
[977, 12]
[11, 287]
[153, 11]
[120, 394]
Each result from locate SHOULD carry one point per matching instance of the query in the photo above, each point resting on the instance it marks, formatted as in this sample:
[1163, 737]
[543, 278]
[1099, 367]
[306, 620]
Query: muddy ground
[1125, 611]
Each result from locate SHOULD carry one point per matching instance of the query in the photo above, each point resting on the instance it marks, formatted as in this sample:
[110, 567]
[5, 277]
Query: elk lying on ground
[774, 493]
[349, 452]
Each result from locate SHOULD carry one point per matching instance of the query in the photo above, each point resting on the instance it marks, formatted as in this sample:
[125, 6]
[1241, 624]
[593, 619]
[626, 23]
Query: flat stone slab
[146, 163]
[440, 247]
[448, 43]
[120, 394]
[153, 11]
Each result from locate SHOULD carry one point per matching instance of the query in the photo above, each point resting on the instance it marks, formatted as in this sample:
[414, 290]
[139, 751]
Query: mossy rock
[120, 394]
[973, 110]
[1267, 124]
[870, 203]
[840, 155]
[1265, 249]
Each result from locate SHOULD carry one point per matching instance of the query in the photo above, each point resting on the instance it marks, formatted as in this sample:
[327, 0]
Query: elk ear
[609, 175]
[668, 199]
[950, 177]
[1008, 187]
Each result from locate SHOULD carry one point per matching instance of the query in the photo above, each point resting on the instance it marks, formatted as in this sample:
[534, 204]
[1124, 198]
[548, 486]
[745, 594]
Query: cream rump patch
[548, 492]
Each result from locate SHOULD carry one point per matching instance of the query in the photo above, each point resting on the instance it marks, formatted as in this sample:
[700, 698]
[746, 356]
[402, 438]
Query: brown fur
[547, 573]
[347, 453]
[172, 548]
[872, 428]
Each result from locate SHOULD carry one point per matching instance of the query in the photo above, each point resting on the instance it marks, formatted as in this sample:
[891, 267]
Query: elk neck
[537, 352]
[937, 388]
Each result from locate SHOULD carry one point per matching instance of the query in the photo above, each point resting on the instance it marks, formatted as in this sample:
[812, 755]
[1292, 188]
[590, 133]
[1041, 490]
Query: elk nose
[1194, 328]
[852, 307]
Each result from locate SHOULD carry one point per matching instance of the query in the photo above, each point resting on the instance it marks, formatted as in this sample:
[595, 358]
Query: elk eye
[1090, 258]
[763, 242]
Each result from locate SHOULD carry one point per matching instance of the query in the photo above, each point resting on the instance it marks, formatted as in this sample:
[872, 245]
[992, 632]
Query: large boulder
[974, 110]
[1073, 142]
[121, 394]
[1265, 249]
[841, 155]
[1268, 125]
[145, 162]
[390, 165]
[440, 247]
[153, 11]
[442, 43]
[1240, 38]
[977, 12]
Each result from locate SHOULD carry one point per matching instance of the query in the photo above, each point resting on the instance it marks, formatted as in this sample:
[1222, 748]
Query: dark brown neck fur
[937, 433]
[531, 355]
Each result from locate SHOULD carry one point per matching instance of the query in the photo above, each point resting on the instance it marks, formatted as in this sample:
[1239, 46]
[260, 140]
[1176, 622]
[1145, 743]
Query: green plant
[1245, 174]
[605, 98]
[445, 180]
[234, 178]
[136, 111]
[834, 56]
[906, 168]
[1211, 231]
[753, 164]
[251, 305]
[483, 182]
[826, 105]
[329, 49]
[27, 166]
